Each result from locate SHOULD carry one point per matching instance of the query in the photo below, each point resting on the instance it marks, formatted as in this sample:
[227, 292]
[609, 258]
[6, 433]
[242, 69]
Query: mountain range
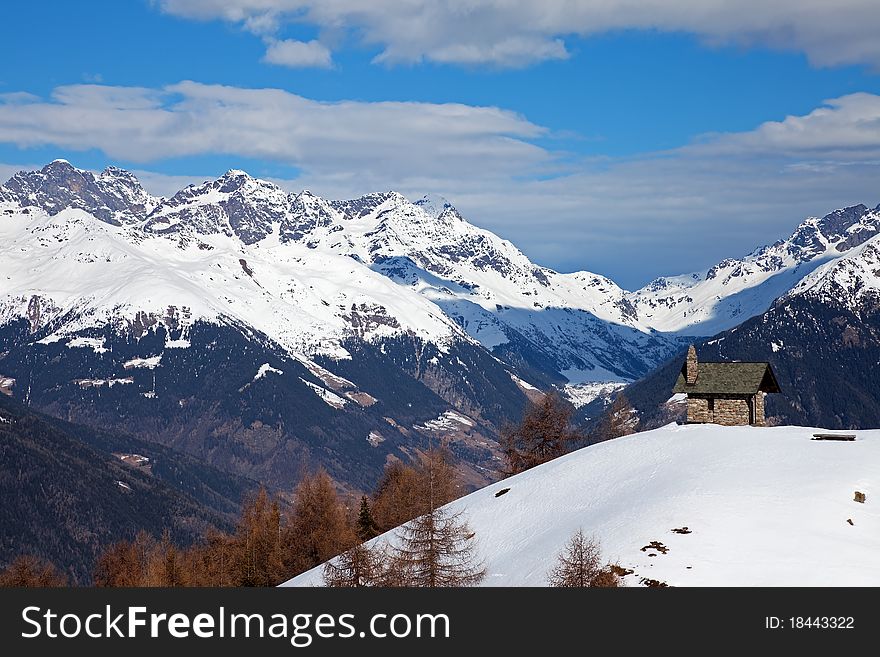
[267, 333]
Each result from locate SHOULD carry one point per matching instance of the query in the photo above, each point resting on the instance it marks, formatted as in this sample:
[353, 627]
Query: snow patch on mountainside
[525, 385]
[96, 344]
[581, 394]
[150, 363]
[762, 507]
[265, 369]
[6, 384]
[329, 398]
[448, 421]
[99, 383]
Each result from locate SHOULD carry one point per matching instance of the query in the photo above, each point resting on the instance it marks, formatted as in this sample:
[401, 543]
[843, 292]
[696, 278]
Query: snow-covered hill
[752, 506]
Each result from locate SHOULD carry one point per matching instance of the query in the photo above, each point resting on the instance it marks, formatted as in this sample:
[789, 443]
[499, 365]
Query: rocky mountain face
[114, 196]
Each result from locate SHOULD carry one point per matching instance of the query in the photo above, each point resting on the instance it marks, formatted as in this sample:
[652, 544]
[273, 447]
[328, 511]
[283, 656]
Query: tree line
[273, 541]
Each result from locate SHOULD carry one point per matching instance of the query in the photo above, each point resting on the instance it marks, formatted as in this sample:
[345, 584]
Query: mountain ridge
[369, 319]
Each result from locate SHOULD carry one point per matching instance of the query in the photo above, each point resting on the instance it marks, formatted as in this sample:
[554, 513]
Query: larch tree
[163, 565]
[256, 548]
[437, 549]
[361, 565]
[317, 528]
[125, 563]
[544, 433]
[31, 571]
[211, 563]
[620, 419]
[580, 565]
[408, 491]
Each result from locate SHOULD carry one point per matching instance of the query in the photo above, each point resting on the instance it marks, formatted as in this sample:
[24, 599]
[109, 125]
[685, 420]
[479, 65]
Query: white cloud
[630, 218]
[389, 139]
[844, 128]
[513, 52]
[163, 184]
[298, 54]
[9, 170]
[518, 32]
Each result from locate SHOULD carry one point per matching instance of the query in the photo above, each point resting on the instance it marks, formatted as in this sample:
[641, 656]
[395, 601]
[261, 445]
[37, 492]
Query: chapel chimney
[690, 367]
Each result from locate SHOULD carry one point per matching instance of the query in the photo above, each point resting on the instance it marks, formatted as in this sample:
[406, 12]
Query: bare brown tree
[621, 419]
[361, 565]
[436, 549]
[318, 527]
[125, 563]
[580, 565]
[256, 549]
[211, 563]
[408, 491]
[30, 571]
[544, 433]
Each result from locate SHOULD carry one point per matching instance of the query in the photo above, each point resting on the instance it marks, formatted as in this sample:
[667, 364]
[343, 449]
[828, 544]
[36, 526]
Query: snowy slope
[852, 280]
[705, 303]
[580, 323]
[72, 272]
[310, 273]
[764, 507]
[82, 251]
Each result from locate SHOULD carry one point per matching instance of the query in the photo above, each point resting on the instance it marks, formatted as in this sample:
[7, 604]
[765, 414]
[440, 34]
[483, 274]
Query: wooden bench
[834, 436]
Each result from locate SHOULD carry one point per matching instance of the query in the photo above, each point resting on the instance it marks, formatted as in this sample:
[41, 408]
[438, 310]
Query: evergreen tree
[436, 549]
[366, 525]
[543, 434]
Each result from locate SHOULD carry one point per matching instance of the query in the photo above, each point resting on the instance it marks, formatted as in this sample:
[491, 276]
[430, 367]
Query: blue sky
[632, 146]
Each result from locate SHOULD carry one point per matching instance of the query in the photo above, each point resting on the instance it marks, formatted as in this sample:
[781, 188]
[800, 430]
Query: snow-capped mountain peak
[728, 293]
[234, 204]
[852, 279]
[435, 205]
[114, 196]
[383, 265]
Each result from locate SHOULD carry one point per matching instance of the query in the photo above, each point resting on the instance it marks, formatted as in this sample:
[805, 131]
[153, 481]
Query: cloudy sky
[634, 138]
